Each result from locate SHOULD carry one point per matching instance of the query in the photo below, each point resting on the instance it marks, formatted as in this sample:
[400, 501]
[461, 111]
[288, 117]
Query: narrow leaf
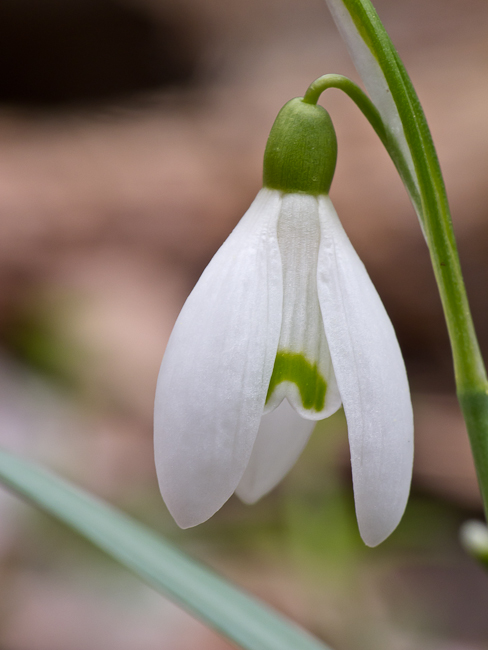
[244, 620]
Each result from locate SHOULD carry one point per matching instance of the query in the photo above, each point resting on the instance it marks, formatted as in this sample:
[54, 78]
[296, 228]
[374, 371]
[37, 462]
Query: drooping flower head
[283, 326]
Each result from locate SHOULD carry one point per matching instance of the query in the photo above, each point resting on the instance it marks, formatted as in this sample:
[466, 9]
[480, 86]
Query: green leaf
[241, 618]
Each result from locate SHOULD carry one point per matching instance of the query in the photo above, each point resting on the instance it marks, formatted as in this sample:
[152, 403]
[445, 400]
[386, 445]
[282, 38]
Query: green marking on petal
[294, 367]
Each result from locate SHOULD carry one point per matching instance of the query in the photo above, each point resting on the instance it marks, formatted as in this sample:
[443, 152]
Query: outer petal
[372, 381]
[217, 366]
[282, 436]
[372, 75]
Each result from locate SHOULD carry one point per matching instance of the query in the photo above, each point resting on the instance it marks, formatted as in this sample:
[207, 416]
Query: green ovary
[295, 368]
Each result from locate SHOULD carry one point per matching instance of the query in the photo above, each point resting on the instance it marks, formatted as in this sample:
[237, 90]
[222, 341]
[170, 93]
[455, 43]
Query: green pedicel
[295, 368]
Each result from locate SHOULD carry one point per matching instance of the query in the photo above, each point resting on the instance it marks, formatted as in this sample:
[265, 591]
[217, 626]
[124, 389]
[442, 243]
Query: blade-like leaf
[241, 618]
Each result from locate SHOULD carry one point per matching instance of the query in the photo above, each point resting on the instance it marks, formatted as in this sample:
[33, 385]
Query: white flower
[283, 326]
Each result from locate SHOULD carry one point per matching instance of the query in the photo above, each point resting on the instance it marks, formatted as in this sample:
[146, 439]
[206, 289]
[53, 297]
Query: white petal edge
[216, 369]
[372, 380]
[281, 439]
[373, 78]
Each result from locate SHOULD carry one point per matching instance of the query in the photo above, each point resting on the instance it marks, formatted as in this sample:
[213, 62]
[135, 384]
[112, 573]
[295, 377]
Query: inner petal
[303, 370]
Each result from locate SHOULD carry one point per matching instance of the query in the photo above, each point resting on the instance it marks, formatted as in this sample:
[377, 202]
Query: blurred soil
[131, 142]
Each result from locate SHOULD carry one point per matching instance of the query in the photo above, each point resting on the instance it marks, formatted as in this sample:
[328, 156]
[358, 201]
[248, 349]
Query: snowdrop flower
[283, 326]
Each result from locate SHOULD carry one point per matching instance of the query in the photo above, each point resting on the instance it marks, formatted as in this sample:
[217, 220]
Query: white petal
[372, 380]
[217, 366]
[302, 350]
[372, 75]
[282, 436]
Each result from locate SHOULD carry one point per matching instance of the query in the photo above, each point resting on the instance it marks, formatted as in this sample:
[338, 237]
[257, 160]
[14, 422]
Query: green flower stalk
[408, 139]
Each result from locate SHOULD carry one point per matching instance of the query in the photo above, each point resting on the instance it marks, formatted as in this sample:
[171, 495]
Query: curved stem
[373, 116]
[433, 210]
[469, 370]
[354, 92]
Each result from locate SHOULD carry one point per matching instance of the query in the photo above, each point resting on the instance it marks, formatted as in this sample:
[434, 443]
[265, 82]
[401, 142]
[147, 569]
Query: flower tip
[374, 532]
[374, 536]
[188, 515]
[375, 525]
[248, 495]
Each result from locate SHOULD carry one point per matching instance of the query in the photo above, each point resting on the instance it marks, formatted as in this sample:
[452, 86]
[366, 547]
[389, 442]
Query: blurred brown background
[131, 142]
